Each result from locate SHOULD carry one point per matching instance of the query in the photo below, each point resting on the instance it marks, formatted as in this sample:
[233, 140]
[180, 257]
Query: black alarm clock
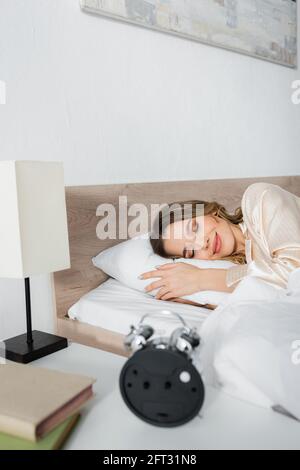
[159, 382]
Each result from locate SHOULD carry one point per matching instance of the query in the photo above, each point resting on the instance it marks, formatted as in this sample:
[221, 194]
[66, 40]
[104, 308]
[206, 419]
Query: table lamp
[33, 240]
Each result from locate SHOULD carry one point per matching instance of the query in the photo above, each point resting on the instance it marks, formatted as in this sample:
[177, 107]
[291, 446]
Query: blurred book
[52, 441]
[34, 401]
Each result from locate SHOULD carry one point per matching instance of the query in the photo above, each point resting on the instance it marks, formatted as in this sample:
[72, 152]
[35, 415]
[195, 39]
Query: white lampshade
[33, 221]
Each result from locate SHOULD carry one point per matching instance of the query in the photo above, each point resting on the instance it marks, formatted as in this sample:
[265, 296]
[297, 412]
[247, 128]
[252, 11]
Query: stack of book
[39, 407]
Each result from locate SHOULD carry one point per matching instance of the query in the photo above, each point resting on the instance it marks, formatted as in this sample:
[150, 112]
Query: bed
[82, 202]
[88, 305]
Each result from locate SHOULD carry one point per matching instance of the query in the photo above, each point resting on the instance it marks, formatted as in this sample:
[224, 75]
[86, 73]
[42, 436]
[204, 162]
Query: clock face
[162, 387]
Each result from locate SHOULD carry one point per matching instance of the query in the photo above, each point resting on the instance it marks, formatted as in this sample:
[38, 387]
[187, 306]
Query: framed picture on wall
[266, 29]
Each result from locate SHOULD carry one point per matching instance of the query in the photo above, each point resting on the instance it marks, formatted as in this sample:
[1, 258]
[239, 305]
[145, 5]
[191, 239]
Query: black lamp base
[17, 349]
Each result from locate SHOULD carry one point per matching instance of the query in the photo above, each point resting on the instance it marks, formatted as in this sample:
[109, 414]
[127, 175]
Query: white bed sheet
[115, 307]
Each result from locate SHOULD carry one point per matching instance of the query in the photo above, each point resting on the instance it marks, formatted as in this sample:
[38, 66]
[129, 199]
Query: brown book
[33, 401]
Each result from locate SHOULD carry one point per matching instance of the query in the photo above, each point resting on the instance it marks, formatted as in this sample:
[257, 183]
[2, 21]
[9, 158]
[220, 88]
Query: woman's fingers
[168, 296]
[161, 293]
[154, 285]
[159, 271]
[150, 274]
[167, 266]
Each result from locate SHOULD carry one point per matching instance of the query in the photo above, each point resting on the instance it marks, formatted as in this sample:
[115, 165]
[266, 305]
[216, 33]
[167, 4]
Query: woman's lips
[217, 244]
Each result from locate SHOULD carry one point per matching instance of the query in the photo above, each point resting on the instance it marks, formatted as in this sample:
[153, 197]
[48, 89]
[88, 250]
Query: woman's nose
[202, 244]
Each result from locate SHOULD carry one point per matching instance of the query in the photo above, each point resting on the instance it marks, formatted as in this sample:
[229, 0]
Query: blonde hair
[167, 216]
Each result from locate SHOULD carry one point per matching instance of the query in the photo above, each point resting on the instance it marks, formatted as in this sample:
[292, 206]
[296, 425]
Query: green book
[52, 441]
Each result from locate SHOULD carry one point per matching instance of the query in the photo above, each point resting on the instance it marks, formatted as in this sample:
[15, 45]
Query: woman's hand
[175, 280]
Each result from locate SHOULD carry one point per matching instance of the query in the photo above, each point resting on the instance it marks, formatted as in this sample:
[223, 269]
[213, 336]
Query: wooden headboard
[82, 203]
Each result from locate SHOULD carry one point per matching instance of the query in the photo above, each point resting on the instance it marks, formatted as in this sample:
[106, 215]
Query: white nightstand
[107, 424]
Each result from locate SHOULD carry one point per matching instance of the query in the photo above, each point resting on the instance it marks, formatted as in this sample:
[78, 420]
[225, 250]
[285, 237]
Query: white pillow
[128, 260]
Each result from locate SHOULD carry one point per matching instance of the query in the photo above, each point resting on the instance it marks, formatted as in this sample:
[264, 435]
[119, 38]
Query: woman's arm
[216, 279]
[180, 279]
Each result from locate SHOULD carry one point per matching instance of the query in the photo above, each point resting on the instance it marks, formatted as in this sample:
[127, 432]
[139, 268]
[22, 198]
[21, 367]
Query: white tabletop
[107, 423]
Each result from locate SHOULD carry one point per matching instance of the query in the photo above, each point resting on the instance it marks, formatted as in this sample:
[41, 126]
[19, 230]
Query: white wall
[117, 103]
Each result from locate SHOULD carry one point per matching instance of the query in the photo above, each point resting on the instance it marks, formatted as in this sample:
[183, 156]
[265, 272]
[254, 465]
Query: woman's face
[206, 237]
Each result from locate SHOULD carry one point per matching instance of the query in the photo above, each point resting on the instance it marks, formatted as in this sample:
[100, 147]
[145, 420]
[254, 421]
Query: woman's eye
[195, 226]
[189, 253]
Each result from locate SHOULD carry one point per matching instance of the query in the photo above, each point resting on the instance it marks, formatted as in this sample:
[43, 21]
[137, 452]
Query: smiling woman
[265, 229]
[178, 233]
[184, 234]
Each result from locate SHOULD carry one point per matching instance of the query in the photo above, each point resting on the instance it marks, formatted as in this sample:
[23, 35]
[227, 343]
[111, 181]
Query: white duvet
[251, 345]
